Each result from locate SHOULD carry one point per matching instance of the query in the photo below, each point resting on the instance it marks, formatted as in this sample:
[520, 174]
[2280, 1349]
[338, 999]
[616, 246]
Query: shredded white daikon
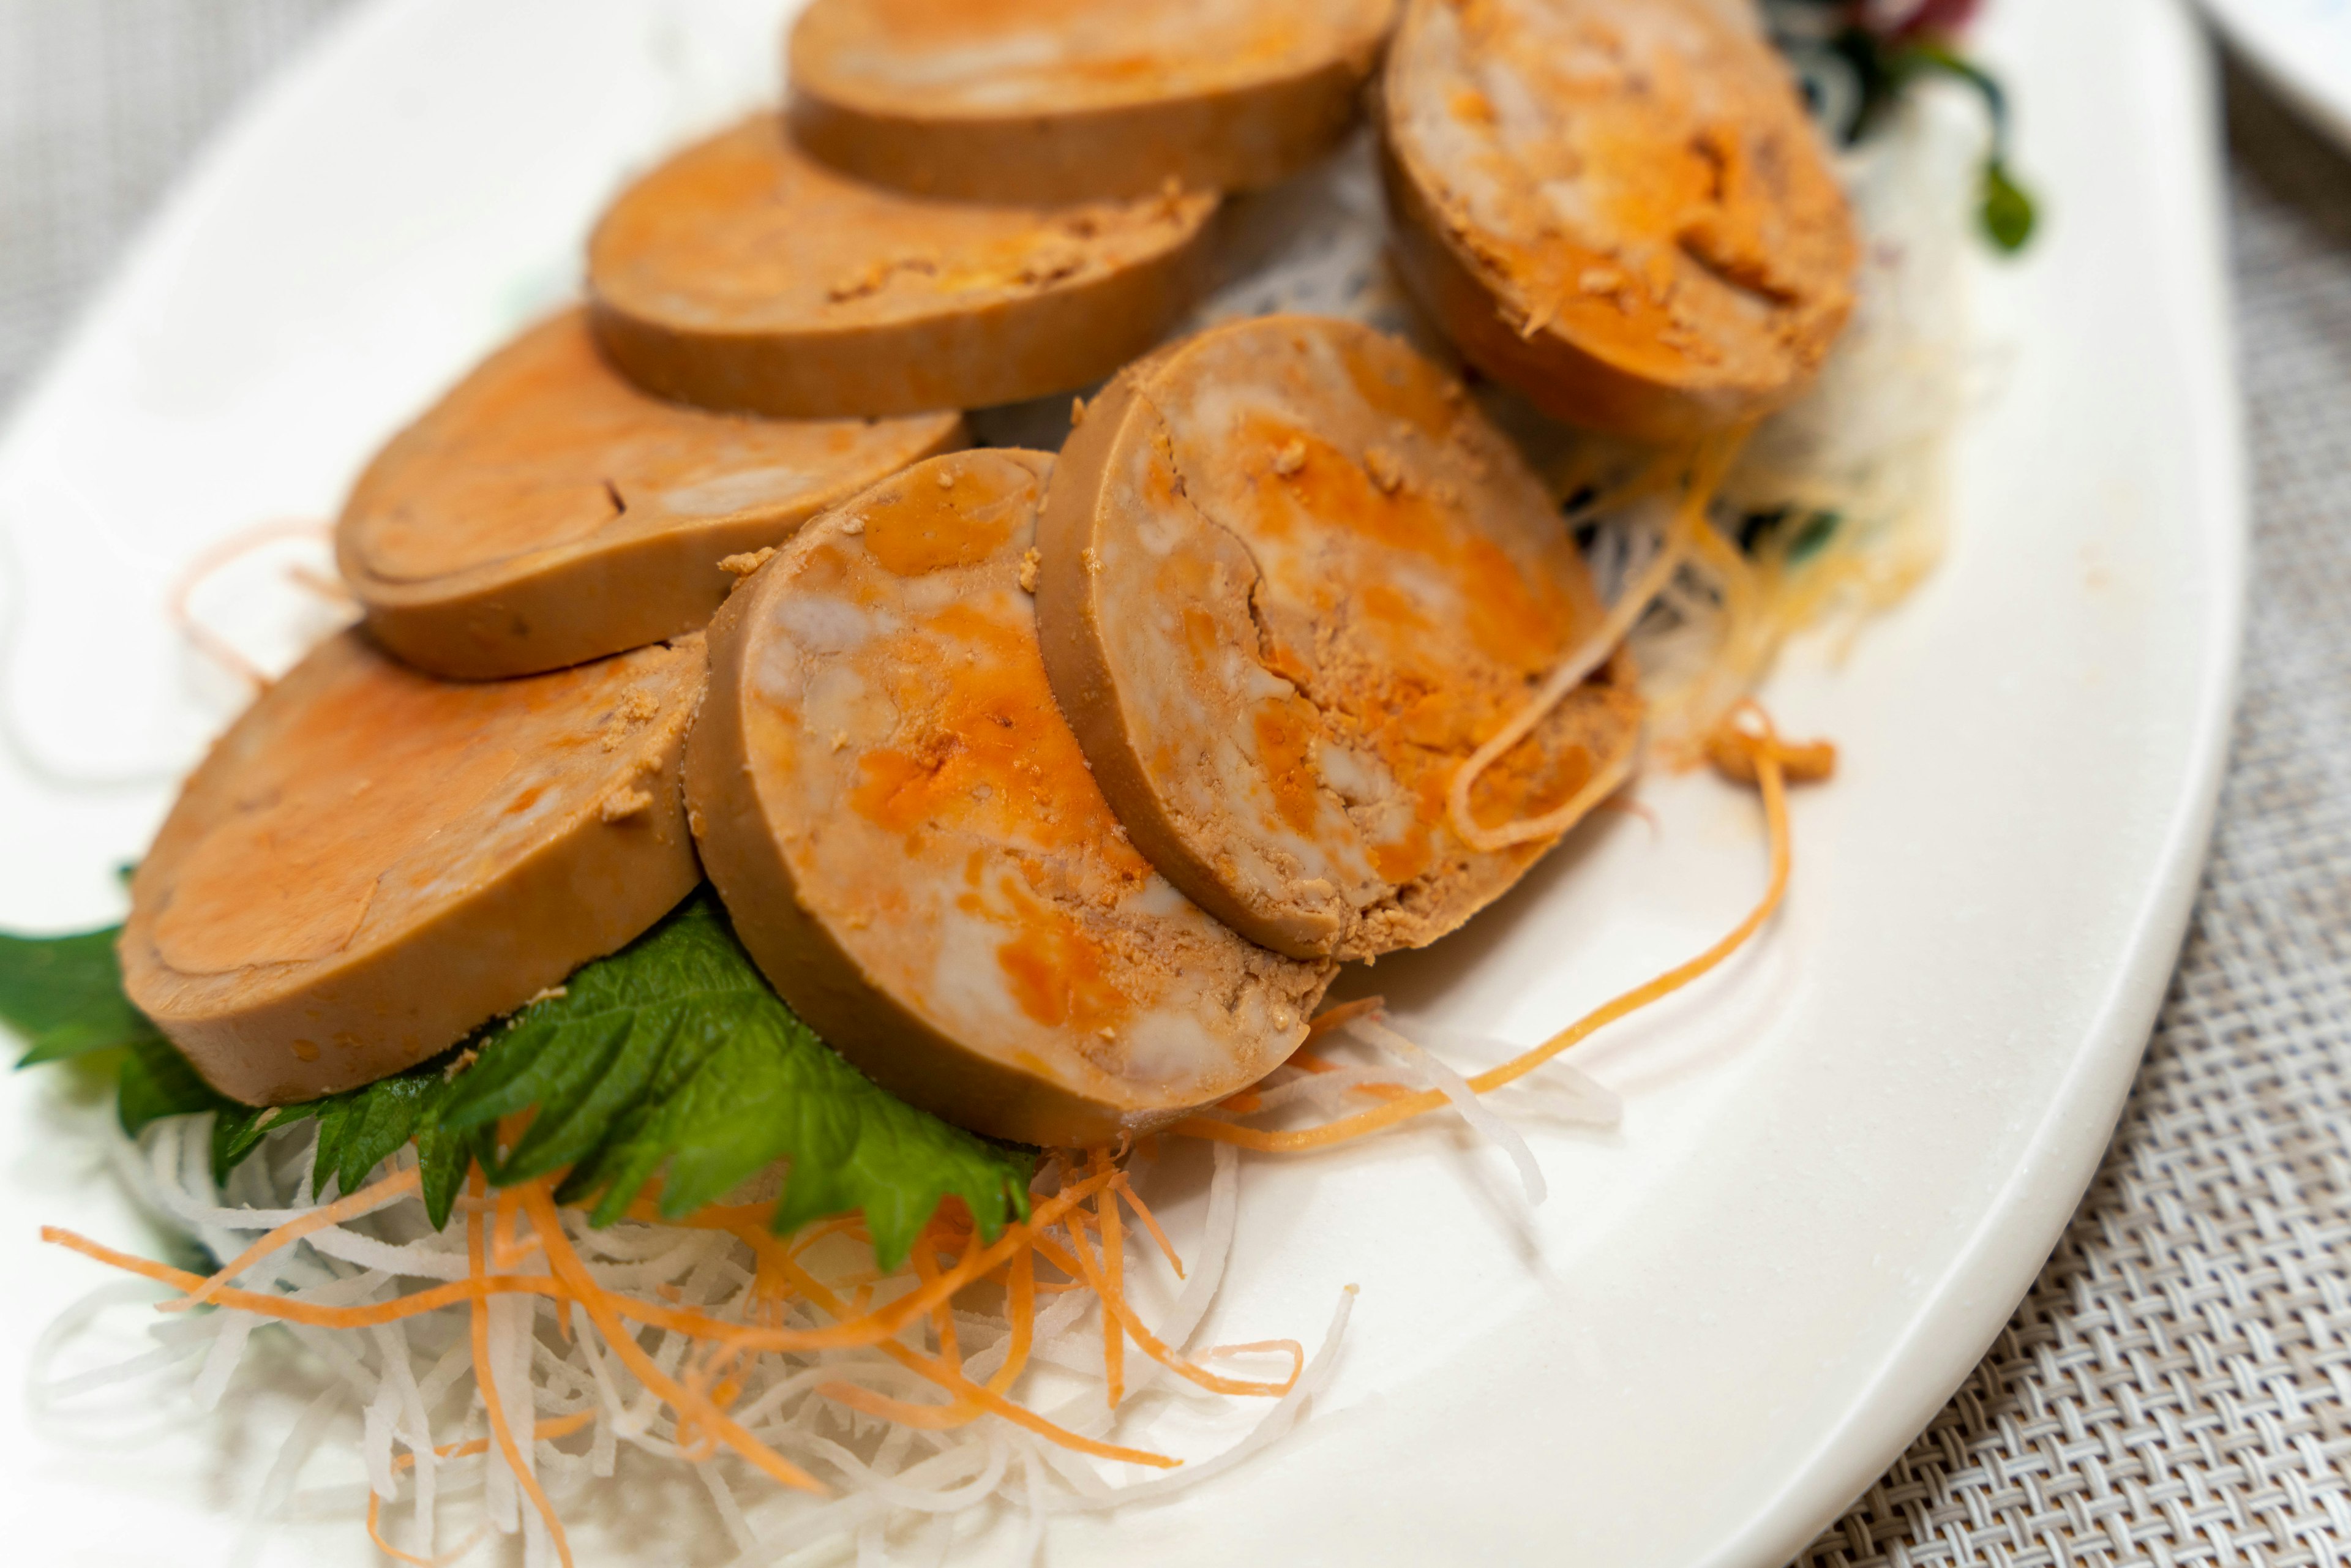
[1481, 1116]
[900, 1492]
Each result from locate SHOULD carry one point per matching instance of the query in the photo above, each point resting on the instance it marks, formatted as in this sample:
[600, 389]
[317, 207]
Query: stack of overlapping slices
[1050, 790]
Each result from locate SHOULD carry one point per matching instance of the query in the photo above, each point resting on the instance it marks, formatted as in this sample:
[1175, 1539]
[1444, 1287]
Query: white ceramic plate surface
[2302, 47]
[1843, 1160]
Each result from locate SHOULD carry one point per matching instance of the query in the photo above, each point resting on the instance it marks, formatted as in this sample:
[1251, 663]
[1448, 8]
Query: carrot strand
[1771, 778]
[600, 1305]
[545, 1432]
[924, 1417]
[1125, 1189]
[486, 1381]
[310, 1314]
[1022, 1311]
[996, 1403]
[1335, 1017]
[1081, 1261]
[1114, 1237]
[854, 1329]
[367, 1200]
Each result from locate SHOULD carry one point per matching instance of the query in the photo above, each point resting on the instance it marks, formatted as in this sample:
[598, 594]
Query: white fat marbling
[737, 492]
[1168, 1046]
[821, 626]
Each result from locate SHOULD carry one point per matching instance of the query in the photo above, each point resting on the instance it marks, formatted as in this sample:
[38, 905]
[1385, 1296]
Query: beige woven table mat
[2176, 1389]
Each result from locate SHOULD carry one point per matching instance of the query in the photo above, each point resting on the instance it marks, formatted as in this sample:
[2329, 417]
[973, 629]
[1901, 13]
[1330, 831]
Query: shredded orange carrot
[1021, 1308]
[926, 1268]
[307, 1314]
[230, 550]
[1769, 754]
[1113, 1236]
[1732, 746]
[1288, 1348]
[947, 1258]
[506, 1248]
[848, 1224]
[855, 1328]
[600, 1307]
[1081, 1260]
[487, 1383]
[1687, 534]
[1305, 1061]
[1337, 1016]
[375, 1533]
[925, 1417]
[1125, 1189]
[367, 1200]
[332, 590]
[1019, 1415]
[996, 1403]
[545, 1432]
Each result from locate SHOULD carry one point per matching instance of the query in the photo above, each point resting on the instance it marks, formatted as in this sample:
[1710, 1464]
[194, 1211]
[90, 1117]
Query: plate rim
[2265, 40]
[2021, 1229]
[2013, 1237]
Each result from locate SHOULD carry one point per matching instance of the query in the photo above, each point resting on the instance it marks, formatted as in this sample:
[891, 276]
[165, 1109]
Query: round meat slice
[1619, 208]
[1290, 580]
[546, 512]
[744, 275]
[1059, 101]
[906, 835]
[373, 862]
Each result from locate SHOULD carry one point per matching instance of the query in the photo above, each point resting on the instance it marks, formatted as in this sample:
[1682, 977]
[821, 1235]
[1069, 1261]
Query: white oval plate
[2302, 47]
[1843, 1160]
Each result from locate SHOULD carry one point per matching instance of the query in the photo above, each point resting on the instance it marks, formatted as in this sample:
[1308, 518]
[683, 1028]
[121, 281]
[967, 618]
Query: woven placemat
[2176, 1389]
[101, 102]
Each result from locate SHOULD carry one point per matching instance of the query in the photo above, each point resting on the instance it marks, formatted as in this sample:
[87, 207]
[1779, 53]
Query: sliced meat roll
[1290, 580]
[909, 844]
[372, 862]
[1619, 208]
[1059, 101]
[744, 275]
[546, 512]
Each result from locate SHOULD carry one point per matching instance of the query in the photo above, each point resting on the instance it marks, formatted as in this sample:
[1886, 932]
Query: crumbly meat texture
[911, 844]
[1291, 580]
[372, 862]
[1619, 207]
[1059, 99]
[743, 274]
[546, 512]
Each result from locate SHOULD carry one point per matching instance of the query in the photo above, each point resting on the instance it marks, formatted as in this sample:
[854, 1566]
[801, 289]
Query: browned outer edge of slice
[578, 601]
[1006, 351]
[1242, 138]
[1068, 632]
[1071, 632]
[1562, 380]
[797, 953]
[483, 956]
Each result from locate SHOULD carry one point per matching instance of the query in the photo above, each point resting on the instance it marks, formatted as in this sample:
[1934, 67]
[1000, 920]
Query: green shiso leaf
[64, 995]
[673, 1058]
[156, 1082]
